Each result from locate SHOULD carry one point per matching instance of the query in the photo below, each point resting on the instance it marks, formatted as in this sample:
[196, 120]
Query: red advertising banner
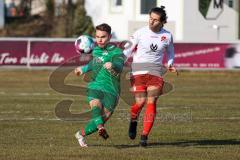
[54, 53]
[51, 53]
[194, 55]
[13, 53]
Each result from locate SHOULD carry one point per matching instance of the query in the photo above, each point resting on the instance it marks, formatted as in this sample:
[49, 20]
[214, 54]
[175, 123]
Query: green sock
[90, 128]
[96, 115]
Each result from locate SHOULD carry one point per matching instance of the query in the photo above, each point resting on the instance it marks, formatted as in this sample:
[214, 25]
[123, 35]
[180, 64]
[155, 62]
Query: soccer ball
[84, 44]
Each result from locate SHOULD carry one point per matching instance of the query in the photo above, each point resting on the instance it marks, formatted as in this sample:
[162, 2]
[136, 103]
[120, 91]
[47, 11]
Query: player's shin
[135, 110]
[90, 128]
[96, 116]
[149, 117]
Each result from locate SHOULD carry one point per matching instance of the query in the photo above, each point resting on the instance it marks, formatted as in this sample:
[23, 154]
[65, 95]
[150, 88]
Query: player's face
[102, 38]
[154, 22]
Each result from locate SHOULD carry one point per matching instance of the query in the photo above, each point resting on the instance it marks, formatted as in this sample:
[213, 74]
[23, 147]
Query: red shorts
[142, 81]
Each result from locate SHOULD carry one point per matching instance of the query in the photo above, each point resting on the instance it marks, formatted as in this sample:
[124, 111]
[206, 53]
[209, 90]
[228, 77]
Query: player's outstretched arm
[83, 69]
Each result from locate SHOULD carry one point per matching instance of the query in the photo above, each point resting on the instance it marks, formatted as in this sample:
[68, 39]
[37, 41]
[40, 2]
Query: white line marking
[23, 112]
[33, 94]
[29, 119]
[56, 119]
[25, 94]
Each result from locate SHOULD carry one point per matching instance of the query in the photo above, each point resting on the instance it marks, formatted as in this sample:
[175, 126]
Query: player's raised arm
[118, 63]
[130, 47]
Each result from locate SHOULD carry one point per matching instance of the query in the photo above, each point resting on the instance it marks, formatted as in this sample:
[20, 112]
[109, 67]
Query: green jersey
[102, 78]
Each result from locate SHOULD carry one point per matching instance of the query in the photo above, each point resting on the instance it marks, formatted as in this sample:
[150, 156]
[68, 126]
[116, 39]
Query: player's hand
[78, 71]
[108, 65]
[173, 69]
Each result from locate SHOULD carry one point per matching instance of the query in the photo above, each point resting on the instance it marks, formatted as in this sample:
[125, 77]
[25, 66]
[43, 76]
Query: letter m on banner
[211, 9]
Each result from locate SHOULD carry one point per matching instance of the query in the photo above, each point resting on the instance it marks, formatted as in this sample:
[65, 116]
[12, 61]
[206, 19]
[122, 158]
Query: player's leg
[102, 131]
[140, 99]
[109, 103]
[96, 121]
[93, 125]
[99, 118]
[139, 90]
[154, 89]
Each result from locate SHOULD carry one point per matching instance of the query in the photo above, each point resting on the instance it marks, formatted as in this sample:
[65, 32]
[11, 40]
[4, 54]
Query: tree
[82, 23]
[50, 8]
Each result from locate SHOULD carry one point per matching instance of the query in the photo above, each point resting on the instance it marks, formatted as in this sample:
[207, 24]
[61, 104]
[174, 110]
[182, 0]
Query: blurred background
[206, 32]
[43, 18]
[199, 120]
[188, 20]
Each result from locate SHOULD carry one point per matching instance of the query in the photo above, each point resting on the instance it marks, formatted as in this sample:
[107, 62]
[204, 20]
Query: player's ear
[110, 36]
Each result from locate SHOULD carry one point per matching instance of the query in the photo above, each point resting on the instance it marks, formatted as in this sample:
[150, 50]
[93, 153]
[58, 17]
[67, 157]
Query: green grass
[200, 119]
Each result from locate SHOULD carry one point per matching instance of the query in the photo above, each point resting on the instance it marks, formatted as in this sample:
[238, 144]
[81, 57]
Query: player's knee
[152, 100]
[141, 101]
[107, 115]
[95, 102]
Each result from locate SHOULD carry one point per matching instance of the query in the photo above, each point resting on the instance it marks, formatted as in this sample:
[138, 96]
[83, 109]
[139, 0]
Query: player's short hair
[161, 12]
[104, 27]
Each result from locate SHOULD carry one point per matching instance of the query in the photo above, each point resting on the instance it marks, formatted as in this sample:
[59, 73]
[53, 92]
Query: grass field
[199, 120]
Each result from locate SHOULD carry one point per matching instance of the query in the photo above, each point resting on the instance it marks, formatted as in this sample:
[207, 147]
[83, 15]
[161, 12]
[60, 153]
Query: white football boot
[81, 140]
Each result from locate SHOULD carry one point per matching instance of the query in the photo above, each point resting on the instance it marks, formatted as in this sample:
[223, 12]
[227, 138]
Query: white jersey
[150, 51]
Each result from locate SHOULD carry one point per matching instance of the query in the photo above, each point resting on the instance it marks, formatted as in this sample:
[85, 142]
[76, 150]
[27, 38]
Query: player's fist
[108, 65]
[78, 71]
[173, 69]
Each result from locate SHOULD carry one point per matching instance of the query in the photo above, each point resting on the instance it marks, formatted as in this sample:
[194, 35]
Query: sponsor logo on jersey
[153, 47]
[105, 53]
[154, 36]
[98, 60]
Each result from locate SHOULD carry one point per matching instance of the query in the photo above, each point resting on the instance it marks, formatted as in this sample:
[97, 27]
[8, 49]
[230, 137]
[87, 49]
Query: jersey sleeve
[170, 52]
[118, 62]
[130, 47]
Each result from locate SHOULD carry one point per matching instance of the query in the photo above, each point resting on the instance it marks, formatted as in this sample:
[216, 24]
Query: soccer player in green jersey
[104, 88]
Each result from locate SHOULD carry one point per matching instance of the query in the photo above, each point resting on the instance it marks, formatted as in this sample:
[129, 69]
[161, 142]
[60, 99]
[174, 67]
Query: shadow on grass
[185, 143]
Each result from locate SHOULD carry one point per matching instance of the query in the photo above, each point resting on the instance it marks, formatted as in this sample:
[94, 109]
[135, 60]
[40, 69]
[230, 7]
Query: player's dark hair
[161, 12]
[104, 27]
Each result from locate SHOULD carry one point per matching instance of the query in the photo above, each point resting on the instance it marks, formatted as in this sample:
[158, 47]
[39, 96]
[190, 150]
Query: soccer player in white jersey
[149, 44]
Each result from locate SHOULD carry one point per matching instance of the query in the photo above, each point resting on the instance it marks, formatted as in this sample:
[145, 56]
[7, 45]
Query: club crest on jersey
[163, 38]
[153, 47]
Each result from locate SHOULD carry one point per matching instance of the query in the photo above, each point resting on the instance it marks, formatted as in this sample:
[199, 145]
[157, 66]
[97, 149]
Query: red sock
[83, 132]
[148, 119]
[135, 110]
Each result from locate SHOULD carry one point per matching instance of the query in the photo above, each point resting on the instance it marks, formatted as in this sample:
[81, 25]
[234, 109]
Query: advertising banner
[200, 55]
[13, 53]
[51, 53]
[55, 53]
[203, 55]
